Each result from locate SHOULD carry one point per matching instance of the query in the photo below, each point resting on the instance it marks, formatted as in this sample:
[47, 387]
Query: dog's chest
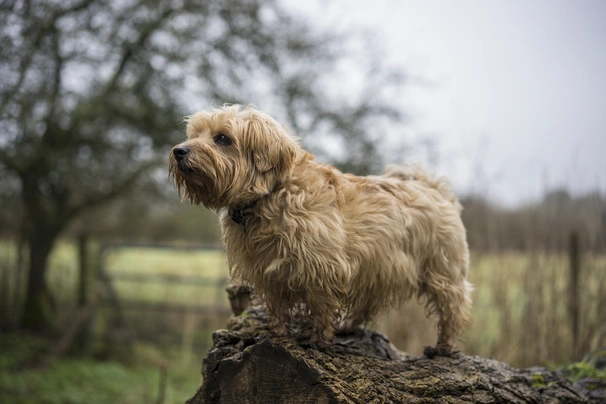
[249, 241]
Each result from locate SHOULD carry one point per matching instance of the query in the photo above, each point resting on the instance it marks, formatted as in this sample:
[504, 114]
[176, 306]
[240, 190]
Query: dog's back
[415, 172]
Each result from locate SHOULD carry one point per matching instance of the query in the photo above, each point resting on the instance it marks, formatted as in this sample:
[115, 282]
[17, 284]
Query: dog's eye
[222, 139]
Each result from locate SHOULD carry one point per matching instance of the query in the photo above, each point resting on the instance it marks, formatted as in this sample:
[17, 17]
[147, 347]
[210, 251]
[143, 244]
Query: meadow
[521, 316]
[521, 310]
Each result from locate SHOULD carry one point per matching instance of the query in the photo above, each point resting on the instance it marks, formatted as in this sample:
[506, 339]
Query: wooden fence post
[5, 292]
[162, 384]
[84, 271]
[574, 256]
[83, 287]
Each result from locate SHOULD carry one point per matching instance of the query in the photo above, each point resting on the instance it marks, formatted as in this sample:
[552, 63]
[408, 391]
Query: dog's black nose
[179, 152]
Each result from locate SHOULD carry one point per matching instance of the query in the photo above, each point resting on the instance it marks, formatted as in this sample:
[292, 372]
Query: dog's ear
[272, 148]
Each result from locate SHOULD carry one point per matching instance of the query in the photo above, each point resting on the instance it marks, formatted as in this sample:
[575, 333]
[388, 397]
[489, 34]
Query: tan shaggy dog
[338, 247]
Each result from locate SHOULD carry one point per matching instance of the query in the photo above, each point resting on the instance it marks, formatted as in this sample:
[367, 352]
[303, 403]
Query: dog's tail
[415, 172]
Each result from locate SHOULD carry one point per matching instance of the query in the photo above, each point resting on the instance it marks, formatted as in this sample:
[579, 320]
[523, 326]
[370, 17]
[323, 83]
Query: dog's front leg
[279, 323]
[324, 310]
[279, 316]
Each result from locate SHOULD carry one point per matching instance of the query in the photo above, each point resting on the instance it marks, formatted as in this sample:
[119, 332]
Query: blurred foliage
[583, 370]
[139, 219]
[545, 225]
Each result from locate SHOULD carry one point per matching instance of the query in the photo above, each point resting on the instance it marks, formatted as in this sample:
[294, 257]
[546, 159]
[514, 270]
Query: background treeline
[543, 225]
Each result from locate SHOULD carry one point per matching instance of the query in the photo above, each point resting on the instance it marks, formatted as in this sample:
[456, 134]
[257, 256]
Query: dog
[340, 248]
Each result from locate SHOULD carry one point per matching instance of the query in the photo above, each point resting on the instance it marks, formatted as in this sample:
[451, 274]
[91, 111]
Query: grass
[583, 370]
[520, 310]
[77, 380]
[210, 265]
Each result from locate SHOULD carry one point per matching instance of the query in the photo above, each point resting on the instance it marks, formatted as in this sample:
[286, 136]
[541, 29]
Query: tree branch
[43, 28]
[117, 190]
[56, 84]
[9, 162]
[131, 48]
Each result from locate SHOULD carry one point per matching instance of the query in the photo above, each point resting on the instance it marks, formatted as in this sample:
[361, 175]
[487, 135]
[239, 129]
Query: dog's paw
[348, 330]
[273, 334]
[318, 343]
[439, 350]
[278, 330]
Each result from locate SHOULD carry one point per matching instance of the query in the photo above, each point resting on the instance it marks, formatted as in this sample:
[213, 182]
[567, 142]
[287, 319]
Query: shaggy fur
[337, 247]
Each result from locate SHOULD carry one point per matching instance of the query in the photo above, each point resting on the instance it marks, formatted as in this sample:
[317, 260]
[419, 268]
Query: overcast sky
[516, 90]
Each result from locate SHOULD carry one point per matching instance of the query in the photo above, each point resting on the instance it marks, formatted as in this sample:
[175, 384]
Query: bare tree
[92, 91]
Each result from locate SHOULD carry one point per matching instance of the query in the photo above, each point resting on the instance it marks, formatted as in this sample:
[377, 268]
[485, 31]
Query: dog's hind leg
[450, 300]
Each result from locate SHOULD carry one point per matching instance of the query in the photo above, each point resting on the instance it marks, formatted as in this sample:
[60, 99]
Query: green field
[77, 381]
[199, 265]
[520, 317]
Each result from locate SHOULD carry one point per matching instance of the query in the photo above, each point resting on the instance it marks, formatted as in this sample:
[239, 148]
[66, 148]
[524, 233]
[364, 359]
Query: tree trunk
[37, 316]
[246, 366]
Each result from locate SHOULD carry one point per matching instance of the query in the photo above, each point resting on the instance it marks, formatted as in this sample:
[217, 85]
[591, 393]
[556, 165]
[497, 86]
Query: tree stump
[245, 365]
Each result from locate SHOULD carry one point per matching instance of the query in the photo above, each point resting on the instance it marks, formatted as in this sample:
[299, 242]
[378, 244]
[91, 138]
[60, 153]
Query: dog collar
[241, 215]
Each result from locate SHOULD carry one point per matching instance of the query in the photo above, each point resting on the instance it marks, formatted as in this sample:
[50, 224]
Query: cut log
[246, 365]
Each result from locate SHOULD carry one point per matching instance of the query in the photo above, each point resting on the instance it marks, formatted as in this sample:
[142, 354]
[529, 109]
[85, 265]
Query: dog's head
[232, 156]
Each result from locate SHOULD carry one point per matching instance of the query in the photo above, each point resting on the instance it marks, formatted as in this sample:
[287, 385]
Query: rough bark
[245, 365]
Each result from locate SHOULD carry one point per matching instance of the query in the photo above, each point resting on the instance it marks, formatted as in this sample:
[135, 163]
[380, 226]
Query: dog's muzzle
[180, 152]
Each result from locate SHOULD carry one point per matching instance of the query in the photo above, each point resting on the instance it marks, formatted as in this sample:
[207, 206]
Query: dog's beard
[194, 184]
[206, 180]
[184, 168]
[216, 181]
